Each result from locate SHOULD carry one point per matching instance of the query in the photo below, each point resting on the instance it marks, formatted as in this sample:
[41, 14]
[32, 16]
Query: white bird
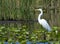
[43, 22]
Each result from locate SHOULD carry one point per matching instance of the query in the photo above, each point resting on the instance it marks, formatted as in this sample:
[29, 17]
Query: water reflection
[42, 43]
[29, 42]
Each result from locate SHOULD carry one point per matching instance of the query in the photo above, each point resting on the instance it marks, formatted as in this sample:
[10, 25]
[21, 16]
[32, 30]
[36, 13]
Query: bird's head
[39, 9]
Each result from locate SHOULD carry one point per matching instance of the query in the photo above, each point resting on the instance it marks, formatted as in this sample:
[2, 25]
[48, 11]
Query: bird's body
[43, 22]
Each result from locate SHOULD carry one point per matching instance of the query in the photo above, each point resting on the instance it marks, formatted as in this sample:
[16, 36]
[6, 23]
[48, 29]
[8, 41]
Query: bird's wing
[45, 24]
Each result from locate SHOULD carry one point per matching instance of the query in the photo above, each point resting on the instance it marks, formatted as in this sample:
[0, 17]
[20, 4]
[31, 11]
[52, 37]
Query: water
[42, 43]
[5, 42]
[17, 43]
[29, 42]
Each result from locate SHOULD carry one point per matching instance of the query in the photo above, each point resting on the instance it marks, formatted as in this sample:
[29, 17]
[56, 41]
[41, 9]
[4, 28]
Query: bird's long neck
[39, 17]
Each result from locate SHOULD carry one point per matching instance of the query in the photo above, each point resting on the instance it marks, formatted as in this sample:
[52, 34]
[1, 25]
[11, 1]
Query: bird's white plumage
[43, 22]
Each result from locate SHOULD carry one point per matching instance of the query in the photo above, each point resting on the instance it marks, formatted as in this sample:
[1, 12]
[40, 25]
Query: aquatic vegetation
[22, 34]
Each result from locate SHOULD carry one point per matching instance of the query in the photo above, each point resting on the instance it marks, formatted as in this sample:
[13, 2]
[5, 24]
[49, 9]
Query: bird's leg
[44, 35]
